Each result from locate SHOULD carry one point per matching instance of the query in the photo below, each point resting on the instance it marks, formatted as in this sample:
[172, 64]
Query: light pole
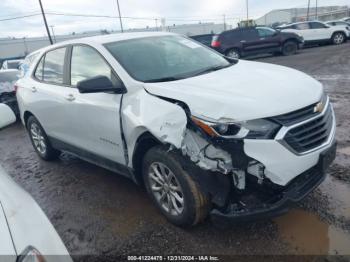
[316, 9]
[308, 11]
[156, 20]
[47, 28]
[120, 17]
[247, 4]
[224, 22]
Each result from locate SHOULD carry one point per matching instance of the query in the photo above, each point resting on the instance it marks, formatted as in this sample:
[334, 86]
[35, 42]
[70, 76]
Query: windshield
[165, 58]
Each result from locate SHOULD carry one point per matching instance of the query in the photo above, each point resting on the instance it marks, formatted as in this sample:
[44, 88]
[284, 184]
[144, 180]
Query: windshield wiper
[164, 79]
[211, 69]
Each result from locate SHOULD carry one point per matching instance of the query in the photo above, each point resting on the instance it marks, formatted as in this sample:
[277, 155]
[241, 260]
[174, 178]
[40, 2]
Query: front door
[93, 120]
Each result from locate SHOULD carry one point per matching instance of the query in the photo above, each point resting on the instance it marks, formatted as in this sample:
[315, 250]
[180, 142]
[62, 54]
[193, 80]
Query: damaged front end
[239, 185]
[241, 166]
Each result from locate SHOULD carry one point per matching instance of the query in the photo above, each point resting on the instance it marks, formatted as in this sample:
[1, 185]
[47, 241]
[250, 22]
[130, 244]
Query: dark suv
[241, 42]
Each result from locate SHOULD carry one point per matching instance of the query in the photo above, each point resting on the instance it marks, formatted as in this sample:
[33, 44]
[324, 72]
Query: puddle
[338, 194]
[308, 235]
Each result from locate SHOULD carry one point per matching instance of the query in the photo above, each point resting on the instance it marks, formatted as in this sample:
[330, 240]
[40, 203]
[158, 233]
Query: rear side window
[250, 34]
[40, 69]
[315, 25]
[54, 66]
[234, 35]
[303, 26]
[87, 63]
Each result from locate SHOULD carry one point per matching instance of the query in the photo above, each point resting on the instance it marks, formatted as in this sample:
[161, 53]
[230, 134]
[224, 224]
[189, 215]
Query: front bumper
[271, 205]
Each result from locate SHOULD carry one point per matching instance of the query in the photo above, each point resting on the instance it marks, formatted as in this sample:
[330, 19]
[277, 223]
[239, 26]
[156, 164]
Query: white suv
[318, 32]
[203, 133]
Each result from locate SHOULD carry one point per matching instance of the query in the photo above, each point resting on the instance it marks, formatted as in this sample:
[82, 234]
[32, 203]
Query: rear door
[250, 40]
[320, 31]
[93, 119]
[302, 29]
[47, 93]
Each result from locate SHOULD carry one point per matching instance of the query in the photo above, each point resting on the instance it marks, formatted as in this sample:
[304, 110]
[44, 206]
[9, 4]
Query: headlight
[254, 129]
[30, 254]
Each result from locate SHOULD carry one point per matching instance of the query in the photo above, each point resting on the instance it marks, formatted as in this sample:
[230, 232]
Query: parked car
[318, 32]
[247, 41]
[8, 79]
[204, 39]
[11, 64]
[205, 134]
[25, 232]
[338, 23]
[346, 19]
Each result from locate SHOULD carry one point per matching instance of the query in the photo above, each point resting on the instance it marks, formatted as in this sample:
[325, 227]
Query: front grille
[296, 116]
[311, 134]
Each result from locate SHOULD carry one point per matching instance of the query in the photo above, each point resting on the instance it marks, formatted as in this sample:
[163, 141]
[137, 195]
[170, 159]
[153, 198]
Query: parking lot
[97, 212]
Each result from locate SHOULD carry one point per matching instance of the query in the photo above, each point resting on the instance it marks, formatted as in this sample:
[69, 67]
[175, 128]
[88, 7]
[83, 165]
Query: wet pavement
[98, 212]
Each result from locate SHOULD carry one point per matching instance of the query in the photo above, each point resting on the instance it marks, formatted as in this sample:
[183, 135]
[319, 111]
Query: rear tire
[40, 141]
[338, 38]
[172, 189]
[289, 48]
[233, 53]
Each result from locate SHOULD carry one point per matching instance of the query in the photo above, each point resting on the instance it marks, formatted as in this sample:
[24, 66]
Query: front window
[166, 58]
[87, 63]
[266, 32]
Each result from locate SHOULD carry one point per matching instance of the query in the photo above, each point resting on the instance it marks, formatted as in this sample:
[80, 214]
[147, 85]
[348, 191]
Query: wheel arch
[290, 40]
[143, 144]
[339, 32]
[26, 116]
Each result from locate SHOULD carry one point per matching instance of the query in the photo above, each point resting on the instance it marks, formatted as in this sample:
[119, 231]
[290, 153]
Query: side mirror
[100, 84]
[7, 117]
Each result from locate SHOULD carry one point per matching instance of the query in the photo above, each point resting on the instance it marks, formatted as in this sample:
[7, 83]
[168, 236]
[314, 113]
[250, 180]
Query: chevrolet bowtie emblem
[319, 108]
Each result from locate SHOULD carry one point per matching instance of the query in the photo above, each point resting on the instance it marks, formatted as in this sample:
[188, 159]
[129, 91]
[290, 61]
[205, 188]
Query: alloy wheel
[166, 189]
[233, 54]
[338, 39]
[38, 138]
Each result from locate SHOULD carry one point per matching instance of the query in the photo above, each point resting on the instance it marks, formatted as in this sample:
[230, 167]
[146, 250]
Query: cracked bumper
[294, 192]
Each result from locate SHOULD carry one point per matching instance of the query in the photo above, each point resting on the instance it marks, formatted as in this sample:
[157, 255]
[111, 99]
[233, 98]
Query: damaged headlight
[254, 129]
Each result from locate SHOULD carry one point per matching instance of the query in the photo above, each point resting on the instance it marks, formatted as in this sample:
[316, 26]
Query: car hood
[244, 91]
[27, 223]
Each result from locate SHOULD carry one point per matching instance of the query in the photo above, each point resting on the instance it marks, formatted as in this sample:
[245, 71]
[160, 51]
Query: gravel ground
[99, 213]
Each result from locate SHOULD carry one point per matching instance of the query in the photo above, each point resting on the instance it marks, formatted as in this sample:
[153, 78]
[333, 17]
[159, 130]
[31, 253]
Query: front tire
[40, 141]
[338, 38]
[172, 189]
[289, 48]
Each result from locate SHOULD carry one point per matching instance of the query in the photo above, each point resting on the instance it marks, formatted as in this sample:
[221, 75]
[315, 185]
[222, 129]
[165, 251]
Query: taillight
[215, 42]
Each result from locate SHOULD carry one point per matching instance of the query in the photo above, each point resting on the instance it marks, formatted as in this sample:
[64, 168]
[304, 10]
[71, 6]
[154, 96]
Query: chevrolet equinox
[206, 135]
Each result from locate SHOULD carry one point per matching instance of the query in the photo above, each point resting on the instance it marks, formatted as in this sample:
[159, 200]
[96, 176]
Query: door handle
[263, 38]
[243, 41]
[34, 90]
[70, 97]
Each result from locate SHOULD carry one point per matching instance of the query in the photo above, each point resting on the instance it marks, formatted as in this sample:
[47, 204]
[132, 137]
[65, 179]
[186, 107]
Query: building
[20, 47]
[286, 16]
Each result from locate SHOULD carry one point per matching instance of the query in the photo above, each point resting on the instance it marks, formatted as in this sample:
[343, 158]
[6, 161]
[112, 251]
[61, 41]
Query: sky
[144, 13]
